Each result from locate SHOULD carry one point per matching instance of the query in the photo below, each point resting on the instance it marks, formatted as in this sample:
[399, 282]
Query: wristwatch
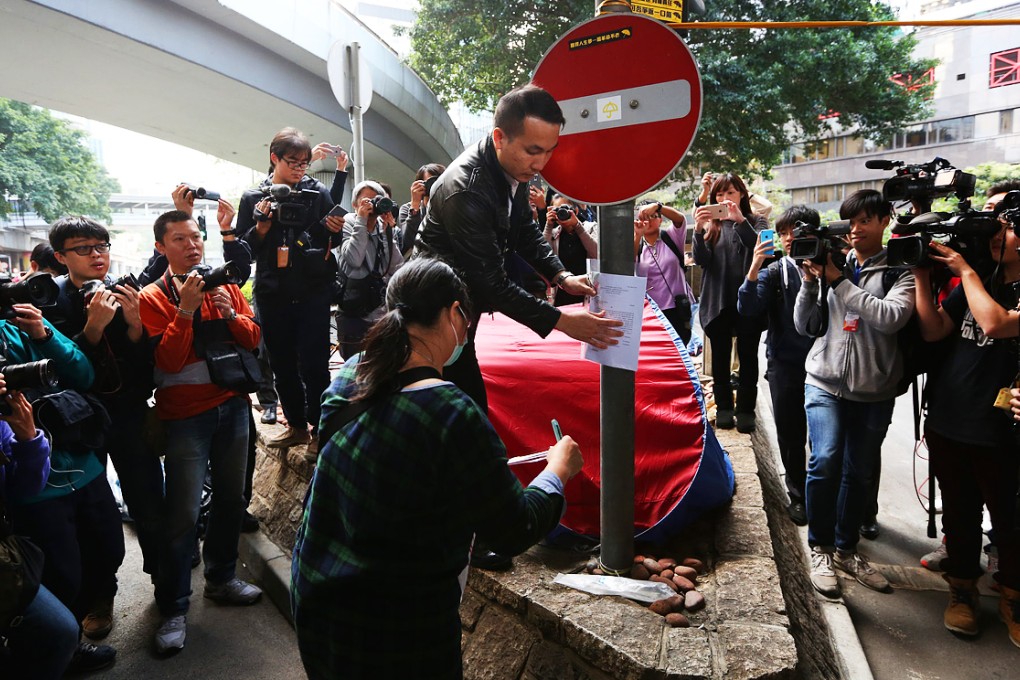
[49, 334]
[560, 278]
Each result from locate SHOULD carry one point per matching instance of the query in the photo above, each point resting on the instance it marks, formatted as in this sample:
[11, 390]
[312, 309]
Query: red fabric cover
[530, 380]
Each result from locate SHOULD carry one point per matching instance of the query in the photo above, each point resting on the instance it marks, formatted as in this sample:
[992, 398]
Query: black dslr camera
[564, 213]
[817, 243]
[37, 289]
[382, 205]
[31, 375]
[220, 276]
[968, 230]
[90, 288]
[288, 207]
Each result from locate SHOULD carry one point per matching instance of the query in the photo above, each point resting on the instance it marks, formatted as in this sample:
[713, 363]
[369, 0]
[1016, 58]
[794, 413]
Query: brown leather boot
[961, 614]
[1009, 611]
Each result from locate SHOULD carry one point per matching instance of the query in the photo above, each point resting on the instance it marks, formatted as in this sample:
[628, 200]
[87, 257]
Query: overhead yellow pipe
[695, 25]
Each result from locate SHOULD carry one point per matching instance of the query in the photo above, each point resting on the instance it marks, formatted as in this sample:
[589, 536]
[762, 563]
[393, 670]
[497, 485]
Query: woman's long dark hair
[416, 294]
[724, 182]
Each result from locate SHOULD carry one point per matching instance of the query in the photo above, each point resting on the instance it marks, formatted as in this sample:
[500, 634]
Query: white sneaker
[823, 578]
[858, 566]
[933, 560]
[171, 634]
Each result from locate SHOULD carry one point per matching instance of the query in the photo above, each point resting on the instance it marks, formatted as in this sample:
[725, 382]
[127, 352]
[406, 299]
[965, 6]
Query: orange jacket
[183, 388]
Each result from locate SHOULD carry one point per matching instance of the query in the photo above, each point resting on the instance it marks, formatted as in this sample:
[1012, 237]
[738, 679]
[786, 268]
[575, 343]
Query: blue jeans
[217, 439]
[846, 446]
[41, 641]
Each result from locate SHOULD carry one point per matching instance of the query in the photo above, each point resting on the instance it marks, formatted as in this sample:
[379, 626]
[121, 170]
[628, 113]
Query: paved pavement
[223, 642]
[901, 632]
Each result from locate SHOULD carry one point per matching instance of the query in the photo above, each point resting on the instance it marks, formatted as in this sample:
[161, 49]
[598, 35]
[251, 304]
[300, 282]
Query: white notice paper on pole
[622, 298]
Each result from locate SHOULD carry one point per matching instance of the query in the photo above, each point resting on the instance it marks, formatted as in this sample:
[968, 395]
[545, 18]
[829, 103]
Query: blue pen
[556, 430]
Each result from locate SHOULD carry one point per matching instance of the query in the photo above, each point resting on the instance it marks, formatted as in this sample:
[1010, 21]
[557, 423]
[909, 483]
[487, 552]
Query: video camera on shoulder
[289, 207]
[227, 273]
[1009, 210]
[817, 243]
[37, 289]
[966, 231]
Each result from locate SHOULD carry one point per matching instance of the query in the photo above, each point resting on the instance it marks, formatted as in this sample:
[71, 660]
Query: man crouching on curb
[204, 423]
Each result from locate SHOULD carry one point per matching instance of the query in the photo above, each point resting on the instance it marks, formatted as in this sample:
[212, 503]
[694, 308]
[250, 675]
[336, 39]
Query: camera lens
[32, 375]
[563, 213]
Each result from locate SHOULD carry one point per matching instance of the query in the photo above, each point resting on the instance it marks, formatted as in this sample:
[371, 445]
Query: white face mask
[460, 345]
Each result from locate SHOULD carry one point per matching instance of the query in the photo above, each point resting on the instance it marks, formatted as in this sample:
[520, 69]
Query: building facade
[976, 112]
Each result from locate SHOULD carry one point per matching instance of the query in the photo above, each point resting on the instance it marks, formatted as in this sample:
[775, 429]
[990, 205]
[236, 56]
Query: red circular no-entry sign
[631, 95]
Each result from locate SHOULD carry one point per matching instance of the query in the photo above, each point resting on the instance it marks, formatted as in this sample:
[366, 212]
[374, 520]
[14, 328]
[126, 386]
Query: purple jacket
[29, 466]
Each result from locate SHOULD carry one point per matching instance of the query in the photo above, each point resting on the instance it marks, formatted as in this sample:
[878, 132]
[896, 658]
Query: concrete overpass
[219, 76]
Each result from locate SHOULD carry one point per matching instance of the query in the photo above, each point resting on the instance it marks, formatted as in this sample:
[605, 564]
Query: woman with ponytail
[412, 471]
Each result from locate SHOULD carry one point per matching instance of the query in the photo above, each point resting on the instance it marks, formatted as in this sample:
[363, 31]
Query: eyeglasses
[101, 248]
[296, 165]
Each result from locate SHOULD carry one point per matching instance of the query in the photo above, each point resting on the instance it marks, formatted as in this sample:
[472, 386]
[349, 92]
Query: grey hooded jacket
[866, 364]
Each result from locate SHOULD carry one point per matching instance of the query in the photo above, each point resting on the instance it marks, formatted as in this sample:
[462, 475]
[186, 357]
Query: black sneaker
[486, 559]
[249, 523]
[869, 530]
[269, 414]
[89, 657]
[798, 513]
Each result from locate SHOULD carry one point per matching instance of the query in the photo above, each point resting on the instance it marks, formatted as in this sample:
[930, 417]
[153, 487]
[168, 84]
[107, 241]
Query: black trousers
[297, 337]
[81, 537]
[720, 333]
[786, 383]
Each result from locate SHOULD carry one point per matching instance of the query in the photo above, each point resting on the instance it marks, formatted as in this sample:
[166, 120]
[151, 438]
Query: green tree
[762, 88]
[44, 162]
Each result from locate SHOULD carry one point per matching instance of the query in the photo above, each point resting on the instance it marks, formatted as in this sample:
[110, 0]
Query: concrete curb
[270, 567]
[851, 661]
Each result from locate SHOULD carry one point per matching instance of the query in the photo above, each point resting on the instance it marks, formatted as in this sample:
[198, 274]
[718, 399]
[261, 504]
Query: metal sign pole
[354, 85]
[616, 505]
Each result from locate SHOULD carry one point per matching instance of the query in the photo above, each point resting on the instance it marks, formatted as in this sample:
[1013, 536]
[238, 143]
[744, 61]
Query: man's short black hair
[159, 228]
[797, 213]
[522, 102]
[867, 201]
[1003, 187]
[76, 226]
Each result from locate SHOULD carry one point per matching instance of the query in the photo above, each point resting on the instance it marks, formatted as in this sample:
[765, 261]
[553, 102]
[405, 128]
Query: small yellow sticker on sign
[666, 11]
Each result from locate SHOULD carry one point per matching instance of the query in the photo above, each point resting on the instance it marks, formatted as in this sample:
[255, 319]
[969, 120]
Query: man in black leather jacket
[479, 216]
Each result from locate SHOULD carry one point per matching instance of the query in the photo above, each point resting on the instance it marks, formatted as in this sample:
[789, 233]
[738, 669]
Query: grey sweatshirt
[866, 364]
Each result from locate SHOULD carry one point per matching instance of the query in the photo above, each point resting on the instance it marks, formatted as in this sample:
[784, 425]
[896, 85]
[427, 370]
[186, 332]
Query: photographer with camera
[660, 258]
[368, 255]
[101, 316]
[412, 212]
[571, 240]
[968, 430]
[203, 338]
[725, 234]
[286, 222]
[38, 634]
[74, 519]
[852, 373]
[773, 290]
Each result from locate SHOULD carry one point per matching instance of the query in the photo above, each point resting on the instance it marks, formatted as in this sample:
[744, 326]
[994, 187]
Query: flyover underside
[170, 73]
